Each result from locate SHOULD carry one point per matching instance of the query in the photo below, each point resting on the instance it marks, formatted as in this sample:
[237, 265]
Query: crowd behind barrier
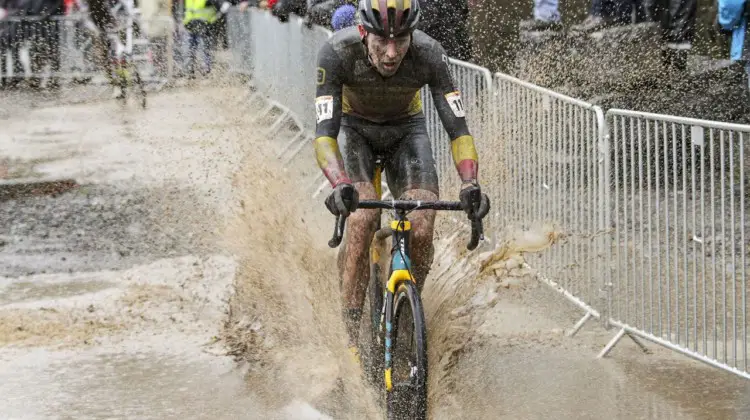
[647, 212]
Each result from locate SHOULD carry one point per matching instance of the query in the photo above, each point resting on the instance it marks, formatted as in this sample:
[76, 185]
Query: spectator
[220, 26]
[199, 15]
[607, 13]
[45, 39]
[546, 17]
[11, 38]
[446, 21]
[283, 8]
[732, 21]
[343, 17]
[320, 12]
[677, 19]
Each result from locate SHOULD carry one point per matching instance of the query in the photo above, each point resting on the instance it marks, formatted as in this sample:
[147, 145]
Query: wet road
[112, 294]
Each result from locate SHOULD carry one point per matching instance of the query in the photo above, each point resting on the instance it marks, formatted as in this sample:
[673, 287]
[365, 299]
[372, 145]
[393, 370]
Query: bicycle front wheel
[408, 397]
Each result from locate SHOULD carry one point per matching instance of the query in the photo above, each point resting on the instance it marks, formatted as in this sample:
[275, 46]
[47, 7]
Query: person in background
[607, 13]
[546, 17]
[10, 41]
[45, 40]
[321, 12]
[199, 16]
[343, 17]
[282, 9]
[732, 20]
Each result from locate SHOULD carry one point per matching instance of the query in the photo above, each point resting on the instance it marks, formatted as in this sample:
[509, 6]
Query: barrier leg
[613, 342]
[579, 324]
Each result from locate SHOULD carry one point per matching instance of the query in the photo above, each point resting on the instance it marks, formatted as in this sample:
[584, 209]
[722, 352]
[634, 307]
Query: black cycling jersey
[348, 83]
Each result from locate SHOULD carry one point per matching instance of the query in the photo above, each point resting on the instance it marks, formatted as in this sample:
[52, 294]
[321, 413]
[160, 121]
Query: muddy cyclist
[369, 78]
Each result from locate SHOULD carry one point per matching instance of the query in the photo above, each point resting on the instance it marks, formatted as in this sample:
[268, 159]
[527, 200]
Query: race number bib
[456, 104]
[324, 107]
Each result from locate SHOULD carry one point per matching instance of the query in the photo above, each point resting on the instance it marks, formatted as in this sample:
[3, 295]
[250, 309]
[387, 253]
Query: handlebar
[477, 228]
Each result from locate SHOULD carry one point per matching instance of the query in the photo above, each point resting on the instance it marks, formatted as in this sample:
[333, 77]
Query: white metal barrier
[548, 168]
[475, 84]
[66, 45]
[681, 228]
[647, 212]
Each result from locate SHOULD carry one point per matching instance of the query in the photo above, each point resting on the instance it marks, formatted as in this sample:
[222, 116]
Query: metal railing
[548, 172]
[64, 47]
[647, 212]
[680, 253]
[475, 84]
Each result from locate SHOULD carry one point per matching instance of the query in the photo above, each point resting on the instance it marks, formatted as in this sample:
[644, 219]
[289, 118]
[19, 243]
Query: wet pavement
[113, 294]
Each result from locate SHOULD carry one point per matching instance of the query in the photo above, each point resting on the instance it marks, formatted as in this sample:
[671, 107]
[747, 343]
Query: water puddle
[25, 291]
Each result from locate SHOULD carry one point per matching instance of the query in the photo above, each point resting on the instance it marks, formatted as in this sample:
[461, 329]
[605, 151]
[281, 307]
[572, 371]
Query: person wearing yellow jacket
[199, 16]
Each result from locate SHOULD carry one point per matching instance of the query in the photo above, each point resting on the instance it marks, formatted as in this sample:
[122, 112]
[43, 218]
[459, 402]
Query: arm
[451, 110]
[328, 111]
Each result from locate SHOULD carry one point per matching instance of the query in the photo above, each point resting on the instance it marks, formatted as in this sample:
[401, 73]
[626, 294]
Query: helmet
[389, 18]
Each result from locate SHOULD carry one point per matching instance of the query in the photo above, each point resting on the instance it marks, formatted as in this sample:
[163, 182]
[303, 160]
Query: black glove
[343, 200]
[474, 203]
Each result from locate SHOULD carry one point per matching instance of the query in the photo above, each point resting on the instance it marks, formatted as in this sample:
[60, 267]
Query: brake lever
[338, 232]
[477, 233]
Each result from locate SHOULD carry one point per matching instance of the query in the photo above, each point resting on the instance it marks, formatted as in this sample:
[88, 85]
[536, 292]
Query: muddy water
[126, 325]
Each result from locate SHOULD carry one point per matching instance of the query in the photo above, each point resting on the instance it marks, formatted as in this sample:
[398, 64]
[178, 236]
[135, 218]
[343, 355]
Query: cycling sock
[352, 318]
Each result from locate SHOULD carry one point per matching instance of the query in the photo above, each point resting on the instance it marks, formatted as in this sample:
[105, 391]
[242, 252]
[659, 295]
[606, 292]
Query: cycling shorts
[404, 145]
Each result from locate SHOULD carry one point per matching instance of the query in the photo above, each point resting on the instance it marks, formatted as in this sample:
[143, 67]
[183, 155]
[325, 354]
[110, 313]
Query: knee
[422, 228]
[363, 221]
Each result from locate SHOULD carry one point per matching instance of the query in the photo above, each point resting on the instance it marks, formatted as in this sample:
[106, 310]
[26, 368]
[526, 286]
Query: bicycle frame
[400, 272]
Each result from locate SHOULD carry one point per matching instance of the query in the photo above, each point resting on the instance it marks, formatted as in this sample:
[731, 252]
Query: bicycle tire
[376, 348]
[408, 399]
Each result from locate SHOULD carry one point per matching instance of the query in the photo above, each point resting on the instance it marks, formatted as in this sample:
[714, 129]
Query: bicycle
[124, 69]
[396, 307]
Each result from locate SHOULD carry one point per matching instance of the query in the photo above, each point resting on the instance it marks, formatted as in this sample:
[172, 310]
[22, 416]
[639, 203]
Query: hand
[473, 202]
[225, 7]
[343, 200]
[243, 6]
[3, 14]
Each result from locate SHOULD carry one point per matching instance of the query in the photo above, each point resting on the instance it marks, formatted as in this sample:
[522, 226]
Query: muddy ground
[181, 271]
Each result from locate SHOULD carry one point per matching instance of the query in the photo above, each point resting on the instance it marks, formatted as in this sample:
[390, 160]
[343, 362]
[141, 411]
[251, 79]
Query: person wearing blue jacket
[732, 19]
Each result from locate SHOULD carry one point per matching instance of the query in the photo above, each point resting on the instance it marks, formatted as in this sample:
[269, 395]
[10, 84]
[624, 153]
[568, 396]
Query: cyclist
[368, 82]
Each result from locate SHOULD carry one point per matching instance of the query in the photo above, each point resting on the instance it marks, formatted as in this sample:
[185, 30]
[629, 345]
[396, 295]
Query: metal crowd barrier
[475, 85]
[680, 248]
[67, 46]
[548, 169]
[647, 212]
[37, 37]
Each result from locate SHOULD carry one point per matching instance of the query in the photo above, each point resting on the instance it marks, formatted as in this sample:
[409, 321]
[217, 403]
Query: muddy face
[386, 54]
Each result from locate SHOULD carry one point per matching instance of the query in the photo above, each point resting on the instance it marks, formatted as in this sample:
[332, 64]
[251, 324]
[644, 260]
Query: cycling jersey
[348, 84]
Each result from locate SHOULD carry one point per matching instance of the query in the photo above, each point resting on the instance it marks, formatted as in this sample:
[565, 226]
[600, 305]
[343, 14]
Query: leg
[100, 15]
[354, 257]
[412, 174]
[193, 41]
[53, 46]
[209, 41]
[355, 262]
[421, 247]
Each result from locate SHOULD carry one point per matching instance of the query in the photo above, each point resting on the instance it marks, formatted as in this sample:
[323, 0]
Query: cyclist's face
[386, 54]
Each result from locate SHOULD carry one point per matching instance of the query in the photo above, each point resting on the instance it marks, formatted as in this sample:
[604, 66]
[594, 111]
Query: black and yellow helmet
[389, 18]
